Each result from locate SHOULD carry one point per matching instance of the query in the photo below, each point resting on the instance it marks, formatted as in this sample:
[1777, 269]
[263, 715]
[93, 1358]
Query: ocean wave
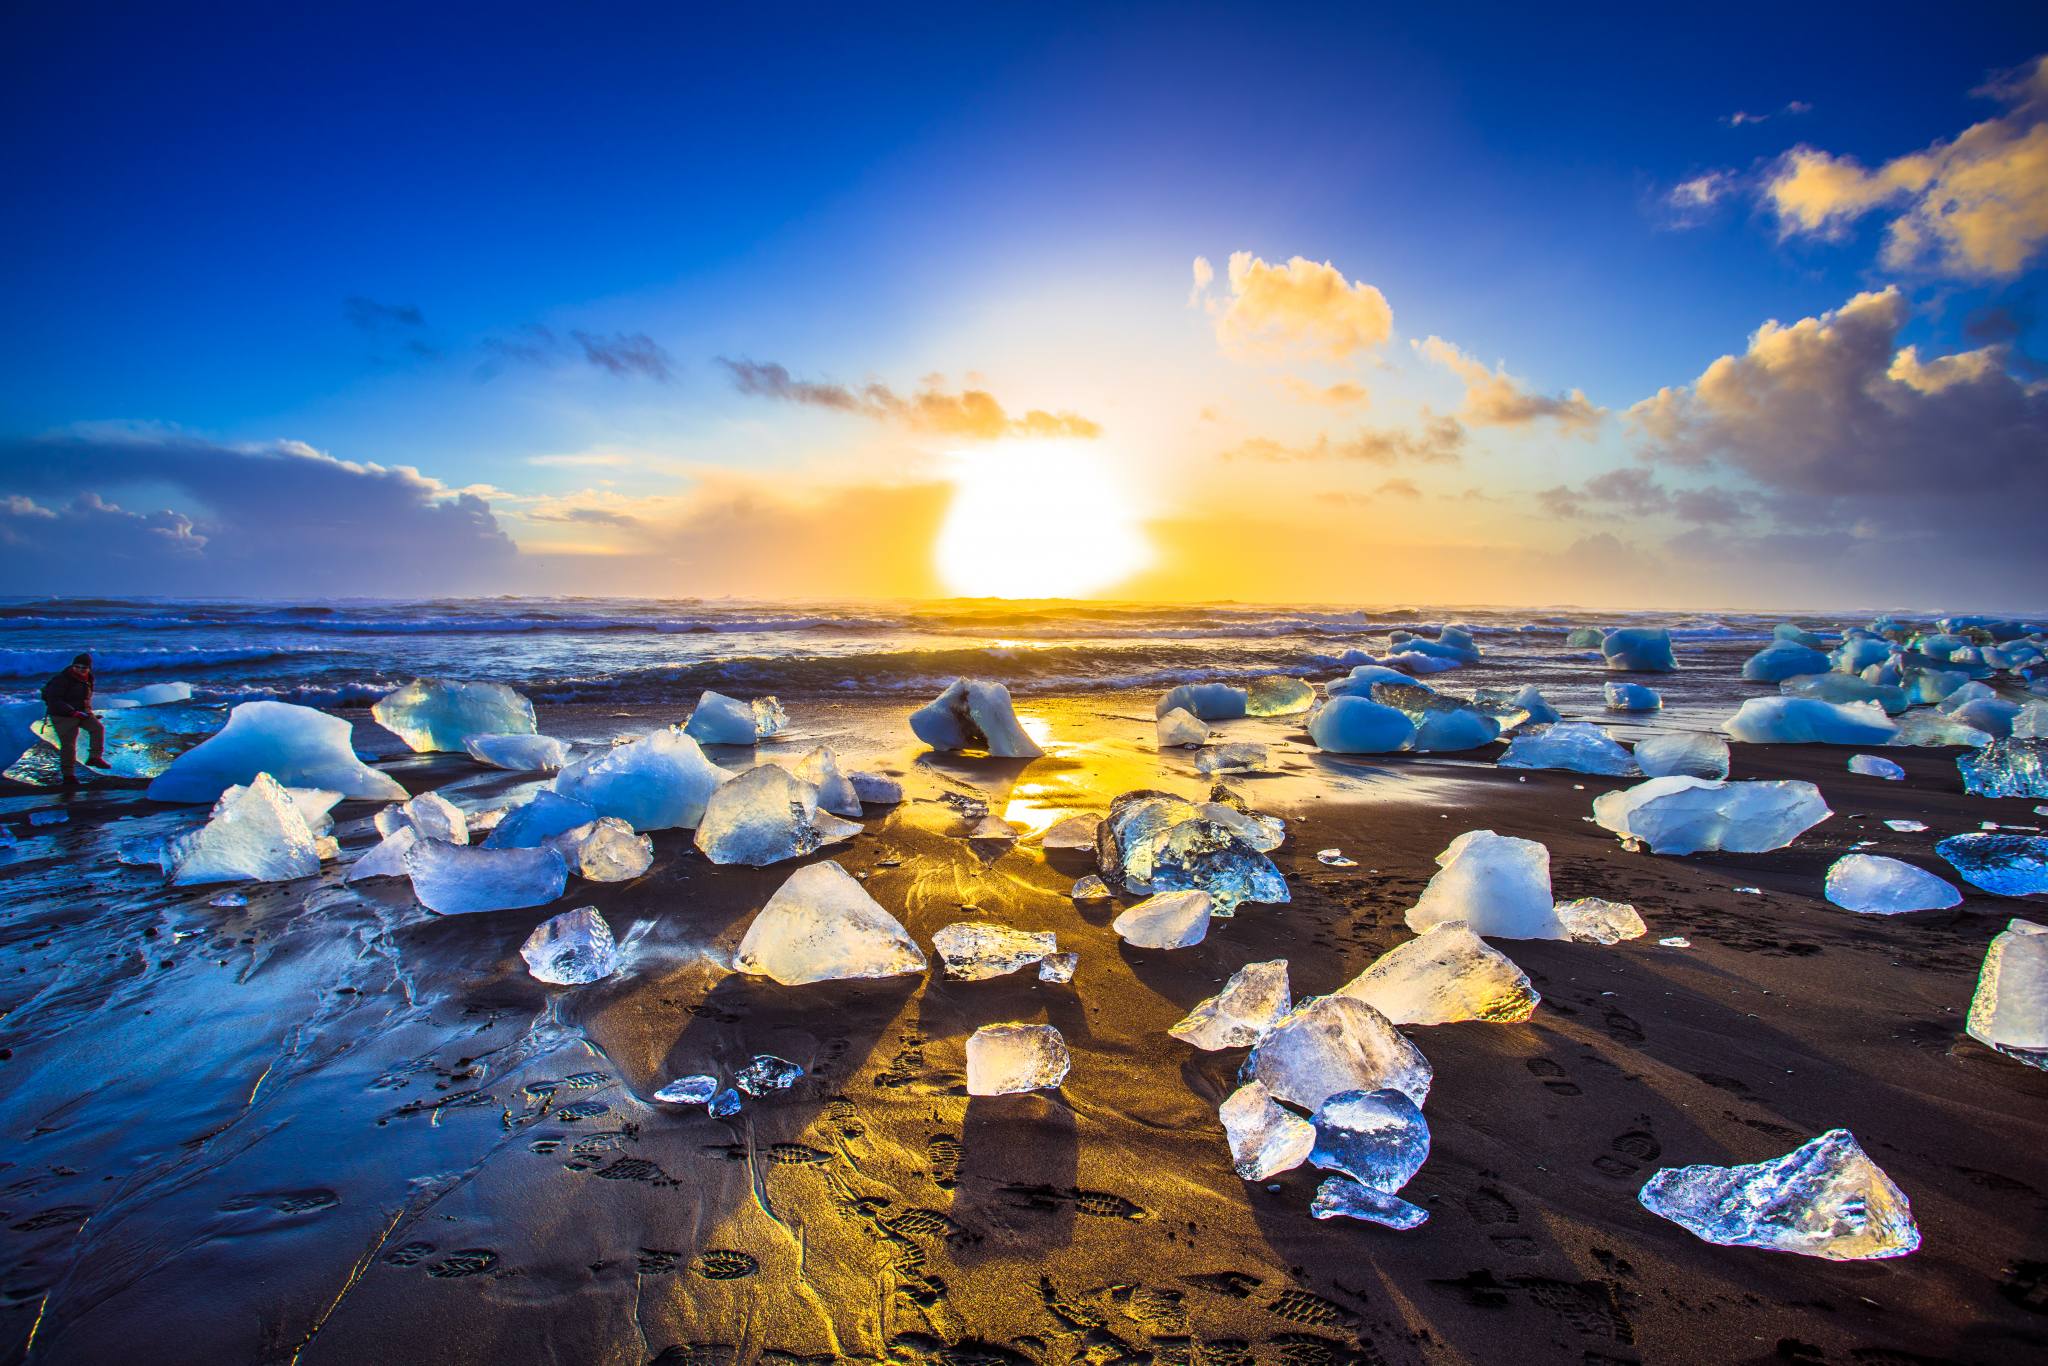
[29, 663]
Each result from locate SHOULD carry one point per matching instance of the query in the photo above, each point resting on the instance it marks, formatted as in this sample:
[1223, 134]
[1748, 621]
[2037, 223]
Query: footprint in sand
[1553, 1077]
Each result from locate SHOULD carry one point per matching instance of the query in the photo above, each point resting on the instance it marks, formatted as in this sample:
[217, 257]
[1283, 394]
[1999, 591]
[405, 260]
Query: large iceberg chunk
[455, 879]
[571, 949]
[1639, 649]
[1575, 746]
[1445, 974]
[1807, 721]
[518, 753]
[1251, 1002]
[1692, 755]
[1875, 885]
[1826, 1199]
[436, 715]
[1784, 659]
[1332, 1044]
[764, 816]
[297, 746]
[2002, 864]
[1499, 886]
[721, 720]
[1681, 815]
[975, 950]
[2007, 768]
[2010, 1009]
[1206, 701]
[657, 782]
[1844, 689]
[1009, 1059]
[1265, 1139]
[256, 833]
[822, 926]
[1277, 695]
[1182, 729]
[1631, 697]
[1170, 920]
[971, 714]
[1348, 724]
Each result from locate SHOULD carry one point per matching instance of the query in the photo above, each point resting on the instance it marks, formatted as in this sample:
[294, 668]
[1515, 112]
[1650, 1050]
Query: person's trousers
[67, 728]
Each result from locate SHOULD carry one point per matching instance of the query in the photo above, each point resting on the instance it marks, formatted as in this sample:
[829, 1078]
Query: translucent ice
[606, 850]
[1499, 886]
[1277, 695]
[1182, 729]
[1584, 638]
[1361, 681]
[430, 815]
[1807, 721]
[1932, 729]
[975, 950]
[695, 1089]
[878, 788]
[1782, 660]
[1377, 1138]
[455, 879]
[386, 858]
[764, 1073]
[536, 821]
[1332, 1044]
[1845, 688]
[1526, 705]
[1265, 1139]
[436, 715]
[2004, 865]
[971, 714]
[657, 782]
[1642, 649]
[1243, 757]
[2010, 1009]
[1876, 885]
[1444, 722]
[721, 720]
[1341, 1196]
[2032, 722]
[1798, 635]
[519, 753]
[821, 925]
[571, 949]
[1006, 1059]
[1691, 755]
[1075, 832]
[1688, 815]
[1576, 746]
[297, 746]
[1170, 920]
[1871, 766]
[1594, 920]
[1156, 842]
[836, 793]
[1445, 974]
[1058, 967]
[764, 816]
[1205, 701]
[1358, 725]
[1826, 1199]
[1251, 1002]
[255, 834]
[1631, 697]
[2007, 768]
[1089, 888]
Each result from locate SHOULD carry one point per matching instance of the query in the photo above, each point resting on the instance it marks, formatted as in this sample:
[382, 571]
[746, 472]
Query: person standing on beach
[68, 698]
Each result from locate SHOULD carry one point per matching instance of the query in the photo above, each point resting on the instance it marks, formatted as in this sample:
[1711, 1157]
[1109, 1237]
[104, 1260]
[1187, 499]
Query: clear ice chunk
[1444, 722]
[1332, 1044]
[1872, 766]
[1074, 832]
[1182, 729]
[1809, 721]
[571, 949]
[1265, 1139]
[1242, 757]
[2002, 864]
[1155, 842]
[297, 746]
[431, 816]
[763, 816]
[1341, 1196]
[1595, 920]
[1692, 755]
[1334, 858]
[1008, 1059]
[1584, 638]
[1907, 827]
[436, 715]
[1575, 746]
[255, 834]
[457, 879]
[1639, 649]
[534, 822]
[1846, 689]
[1875, 885]
[972, 714]
[695, 1089]
[769, 717]
[1445, 974]
[518, 753]
[658, 782]
[726, 1103]
[766, 1073]
[606, 850]
[821, 926]
[386, 858]
[878, 788]
[1351, 724]
[1090, 888]
[721, 720]
[2009, 1011]
[1058, 967]
[1631, 697]
[1170, 920]
[836, 793]
[1498, 885]
[2007, 768]
[1525, 706]
[975, 950]
[1250, 1004]
[1277, 695]
[1825, 1199]
[1205, 701]
[1377, 1138]
[1688, 815]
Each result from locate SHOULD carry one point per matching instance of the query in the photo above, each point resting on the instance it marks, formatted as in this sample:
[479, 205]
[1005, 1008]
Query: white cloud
[1495, 398]
[1300, 307]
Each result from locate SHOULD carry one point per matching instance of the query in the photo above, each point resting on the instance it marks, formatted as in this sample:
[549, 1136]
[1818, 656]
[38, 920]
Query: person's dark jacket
[67, 694]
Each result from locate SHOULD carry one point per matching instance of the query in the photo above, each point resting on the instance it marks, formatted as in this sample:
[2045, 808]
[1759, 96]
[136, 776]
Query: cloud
[626, 354]
[1634, 491]
[372, 316]
[1301, 306]
[1497, 399]
[1742, 118]
[1342, 394]
[971, 413]
[581, 459]
[251, 520]
[1435, 440]
[1398, 488]
[622, 354]
[1204, 276]
[1690, 202]
[1975, 207]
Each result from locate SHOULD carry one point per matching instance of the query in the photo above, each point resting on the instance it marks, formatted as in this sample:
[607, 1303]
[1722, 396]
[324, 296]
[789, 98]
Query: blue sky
[380, 234]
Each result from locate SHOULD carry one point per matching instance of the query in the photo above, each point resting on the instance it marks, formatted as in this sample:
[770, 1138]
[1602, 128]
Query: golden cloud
[1299, 306]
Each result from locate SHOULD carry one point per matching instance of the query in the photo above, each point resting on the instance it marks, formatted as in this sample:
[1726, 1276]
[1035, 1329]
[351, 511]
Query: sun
[1040, 519]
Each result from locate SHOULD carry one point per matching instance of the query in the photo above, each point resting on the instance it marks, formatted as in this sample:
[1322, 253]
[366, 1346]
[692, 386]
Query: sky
[1473, 306]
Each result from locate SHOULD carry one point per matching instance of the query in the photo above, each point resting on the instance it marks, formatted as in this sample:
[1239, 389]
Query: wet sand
[332, 1127]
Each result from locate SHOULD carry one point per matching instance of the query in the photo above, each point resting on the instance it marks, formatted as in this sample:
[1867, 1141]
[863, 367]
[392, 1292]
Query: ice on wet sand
[518, 753]
[1206, 701]
[1377, 1138]
[1498, 885]
[1358, 725]
[606, 850]
[1074, 832]
[1170, 920]
[1181, 729]
[1341, 1196]
[974, 950]
[1825, 1199]
[764, 816]
[836, 792]
[1595, 920]
[536, 821]
[721, 720]
[1277, 695]
[1007, 1059]
[2009, 1011]
[256, 833]
[878, 788]
[1809, 721]
[429, 815]
[1643, 649]
[455, 879]
[1873, 766]
[1251, 1002]
[1156, 842]
[1333, 1044]
[1875, 885]
[821, 925]
[1575, 746]
[297, 746]
[571, 949]
[972, 714]
[2002, 864]
[1242, 757]
[436, 715]
[1691, 755]
[659, 781]
[1265, 1139]
[1631, 697]
[1058, 967]
[1445, 974]
[2007, 768]
[1681, 815]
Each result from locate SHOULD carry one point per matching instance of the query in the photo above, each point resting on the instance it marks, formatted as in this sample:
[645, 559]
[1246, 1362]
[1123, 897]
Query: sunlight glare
[1044, 519]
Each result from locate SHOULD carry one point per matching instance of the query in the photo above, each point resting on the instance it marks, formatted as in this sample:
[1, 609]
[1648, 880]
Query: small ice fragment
[1875, 885]
[726, 1103]
[1825, 1199]
[1907, 827]
[1170, 920]
[1692, 756]
[2009, 1011]
[2004, 865]
[1007, 1059]
[821, 925]
[2007, 768]
[431, 816]
[1872, 766]
[297, 746]
[1497, 884]
[877, 788]
[1205, 701]
[993, 831]
[1075, 832]
[721, 720]
[1242, 757]
[1631, 697]
[836, 793]
[765, 1073]
[1594, 920]
[1681, 815]
[1334, 858]
[764, 816]
[972, 714]
[1251, 1002]
[256, 834]
[1058, 967]
[1748, 891]
[228, 901]
[49, 815]
[571, 949]
[436, 715]
[458, 879]
[769, 717]
[1265, 1139]
[1377, 1138]
[1675, 941]
[1340, 1195]
[1332, 1044]
[1445, 974]
[659, 781]
[1182, 729]
[144, 851]
[975, 950]
[606, 850]
[1277, 695]
[1090, 888]
[695, 1089]
[1575, 746]
[386, 858]
[518, 753]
